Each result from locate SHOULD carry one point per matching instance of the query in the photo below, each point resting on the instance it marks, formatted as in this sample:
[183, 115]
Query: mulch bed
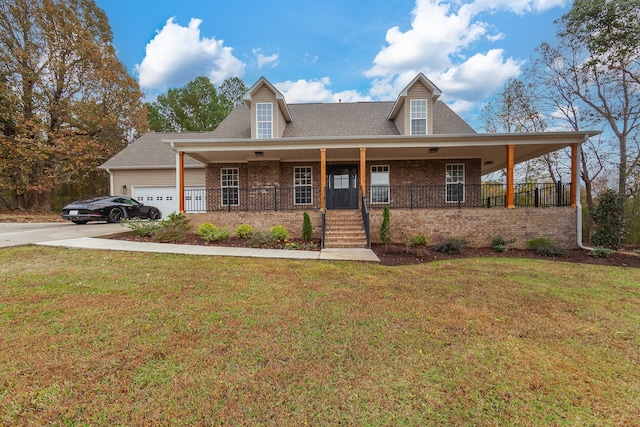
[398, 254]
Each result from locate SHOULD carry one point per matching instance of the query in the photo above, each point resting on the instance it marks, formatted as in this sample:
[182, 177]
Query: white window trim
[305, 185]
[258, 122]
[222, 186]
[372, 186]
[447, 184]
[413, 117]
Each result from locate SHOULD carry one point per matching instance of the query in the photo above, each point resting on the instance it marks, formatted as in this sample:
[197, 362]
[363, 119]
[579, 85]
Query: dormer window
[418, 117]
[264, 120]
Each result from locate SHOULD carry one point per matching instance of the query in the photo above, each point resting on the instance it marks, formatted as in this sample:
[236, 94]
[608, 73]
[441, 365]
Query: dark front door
[342, 187]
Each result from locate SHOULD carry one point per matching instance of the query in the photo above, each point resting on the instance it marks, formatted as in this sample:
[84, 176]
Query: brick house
[269, 161]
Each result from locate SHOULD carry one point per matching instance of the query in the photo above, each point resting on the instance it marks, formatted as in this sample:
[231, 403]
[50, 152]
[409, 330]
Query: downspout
[578, 204]
[111, 193]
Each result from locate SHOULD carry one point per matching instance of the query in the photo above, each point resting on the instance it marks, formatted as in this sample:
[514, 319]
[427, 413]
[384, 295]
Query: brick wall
[479, 225]
[260, 221]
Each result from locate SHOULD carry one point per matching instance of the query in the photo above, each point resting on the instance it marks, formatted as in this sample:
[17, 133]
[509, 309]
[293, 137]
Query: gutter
[110, 181]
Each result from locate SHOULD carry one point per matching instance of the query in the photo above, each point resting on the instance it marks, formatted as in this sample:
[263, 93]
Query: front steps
[344, 229]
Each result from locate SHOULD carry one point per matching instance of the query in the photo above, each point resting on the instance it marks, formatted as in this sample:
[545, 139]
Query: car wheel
[154, 213]
[79, 222]
[115, 215]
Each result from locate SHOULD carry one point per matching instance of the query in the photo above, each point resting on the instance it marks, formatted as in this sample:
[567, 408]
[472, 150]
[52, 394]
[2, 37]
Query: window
[418, 117]
[379, 184]
[264, 120]
[455, 175]
[302, 185]
[230, 183]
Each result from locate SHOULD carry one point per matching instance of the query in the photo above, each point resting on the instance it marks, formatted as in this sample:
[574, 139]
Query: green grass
[114, 338]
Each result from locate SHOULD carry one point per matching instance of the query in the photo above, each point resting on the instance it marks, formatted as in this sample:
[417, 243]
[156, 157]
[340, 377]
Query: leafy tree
[609, 221]
[197, 106]
[73, 104]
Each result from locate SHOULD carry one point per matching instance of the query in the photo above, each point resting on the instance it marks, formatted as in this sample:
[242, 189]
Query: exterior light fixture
[489, 162]
[259, 153]
[124, 189]
[434, 150]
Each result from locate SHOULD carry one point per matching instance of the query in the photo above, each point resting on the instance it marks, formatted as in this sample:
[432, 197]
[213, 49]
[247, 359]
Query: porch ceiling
[490, 148]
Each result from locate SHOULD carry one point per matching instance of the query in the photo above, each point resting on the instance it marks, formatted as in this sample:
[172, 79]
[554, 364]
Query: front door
[342, 187]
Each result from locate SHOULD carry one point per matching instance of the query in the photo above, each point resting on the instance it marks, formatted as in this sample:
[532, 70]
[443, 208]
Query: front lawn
[115, 338]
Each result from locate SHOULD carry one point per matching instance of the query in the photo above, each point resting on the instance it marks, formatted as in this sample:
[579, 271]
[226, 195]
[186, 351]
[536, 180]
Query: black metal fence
[406, 196]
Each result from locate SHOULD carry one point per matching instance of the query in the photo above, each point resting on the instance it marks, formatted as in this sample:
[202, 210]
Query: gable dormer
[269, 111]
[413, 110]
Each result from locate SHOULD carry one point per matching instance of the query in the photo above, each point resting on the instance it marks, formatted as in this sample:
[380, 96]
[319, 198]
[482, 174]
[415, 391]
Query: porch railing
[401, 196]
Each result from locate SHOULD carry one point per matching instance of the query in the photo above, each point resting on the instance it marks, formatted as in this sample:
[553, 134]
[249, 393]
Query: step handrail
[365, 221]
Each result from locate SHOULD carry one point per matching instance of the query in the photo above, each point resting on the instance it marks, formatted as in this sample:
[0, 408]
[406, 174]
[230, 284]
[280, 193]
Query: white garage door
[163, 198]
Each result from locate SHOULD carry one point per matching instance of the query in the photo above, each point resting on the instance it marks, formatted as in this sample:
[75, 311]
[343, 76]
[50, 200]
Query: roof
[149, 152]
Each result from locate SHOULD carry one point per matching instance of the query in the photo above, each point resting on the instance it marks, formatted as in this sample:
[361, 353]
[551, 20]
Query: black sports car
[110, 209]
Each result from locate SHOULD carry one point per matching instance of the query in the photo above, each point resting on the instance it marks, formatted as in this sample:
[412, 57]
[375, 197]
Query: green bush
[278, 232]
[142, 228]
[385, 231]
[601, 252]
[451, 246]
[609, 219]
[174, 229]
[261, 239]
[499, 244]
[418, 240]
[307, 228]
[211, 233]
[546, 246]
[244, 231]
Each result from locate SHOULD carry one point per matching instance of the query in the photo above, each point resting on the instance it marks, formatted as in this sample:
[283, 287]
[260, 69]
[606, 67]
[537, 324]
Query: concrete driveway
[16, 234]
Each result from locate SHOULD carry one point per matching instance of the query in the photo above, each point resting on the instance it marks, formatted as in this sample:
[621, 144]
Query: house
[269, 161]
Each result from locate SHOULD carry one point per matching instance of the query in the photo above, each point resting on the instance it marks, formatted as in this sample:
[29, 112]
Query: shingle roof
[309, 120]
[149, 151]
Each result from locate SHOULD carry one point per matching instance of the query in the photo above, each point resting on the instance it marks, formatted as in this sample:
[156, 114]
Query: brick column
[509, 203]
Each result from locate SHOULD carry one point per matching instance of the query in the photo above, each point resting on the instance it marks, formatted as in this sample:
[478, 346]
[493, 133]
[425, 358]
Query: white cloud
[177, 55]
[262, 59]
[439, 44]
[306, 91]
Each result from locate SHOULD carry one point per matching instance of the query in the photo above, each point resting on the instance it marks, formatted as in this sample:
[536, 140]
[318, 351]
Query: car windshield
[127, 201]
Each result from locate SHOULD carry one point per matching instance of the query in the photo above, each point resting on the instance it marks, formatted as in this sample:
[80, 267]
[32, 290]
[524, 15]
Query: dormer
[269, 111]
[413, 110]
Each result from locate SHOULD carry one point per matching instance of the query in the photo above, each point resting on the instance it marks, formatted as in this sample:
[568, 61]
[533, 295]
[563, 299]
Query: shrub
[211, 233]
[307, 228]
[418, 240]
[637, 252]
[142, 228]
[244, 231]
[451, 246]
[609, 219]
[173, 229]
[601, 252]
[385, 231]
[499, 244]
[546, 246]
[260, 239]
[278, 232]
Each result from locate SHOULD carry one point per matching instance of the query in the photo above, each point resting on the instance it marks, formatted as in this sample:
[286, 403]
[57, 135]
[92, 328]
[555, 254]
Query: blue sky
[352, 50]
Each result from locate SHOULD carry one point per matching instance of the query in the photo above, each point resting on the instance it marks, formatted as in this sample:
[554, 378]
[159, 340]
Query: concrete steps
[344, 229]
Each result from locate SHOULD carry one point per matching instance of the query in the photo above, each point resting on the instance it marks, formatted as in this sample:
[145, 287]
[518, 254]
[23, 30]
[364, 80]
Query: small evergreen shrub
[211, 233]
[545, 246]
[278, 232]
[142, 228]
[418, 240]
[244, 231]
[385, 231]
[601, 252]
[261, 239]
[499, 244]
[609, 219]
[307, 228]
[451, 246]
[174, 229]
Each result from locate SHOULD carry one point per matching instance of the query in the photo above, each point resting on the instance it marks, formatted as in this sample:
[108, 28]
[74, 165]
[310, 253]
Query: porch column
[574, 176]
[509, 203]
[181, 180]
[363, 174]
[323, 176]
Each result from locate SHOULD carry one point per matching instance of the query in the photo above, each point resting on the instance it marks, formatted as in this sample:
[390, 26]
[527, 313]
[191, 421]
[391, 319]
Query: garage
[165, 199]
